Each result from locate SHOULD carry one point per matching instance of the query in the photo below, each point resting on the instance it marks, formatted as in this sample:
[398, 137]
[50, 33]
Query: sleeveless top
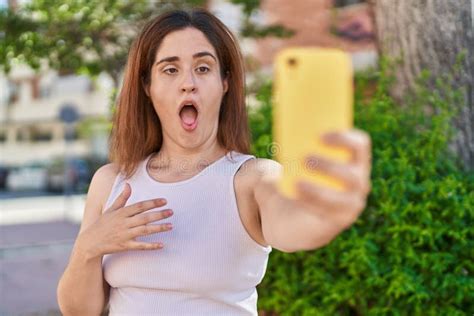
[209, 264]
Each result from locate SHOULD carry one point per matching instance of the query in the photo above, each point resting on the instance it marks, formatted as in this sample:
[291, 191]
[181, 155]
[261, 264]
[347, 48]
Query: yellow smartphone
[312, 95]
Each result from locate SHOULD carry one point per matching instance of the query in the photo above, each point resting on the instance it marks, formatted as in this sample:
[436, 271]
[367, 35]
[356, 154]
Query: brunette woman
[183, 219]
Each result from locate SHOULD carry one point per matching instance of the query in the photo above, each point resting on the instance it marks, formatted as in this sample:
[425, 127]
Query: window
[13, 92]
[345, 3]
[41, 135]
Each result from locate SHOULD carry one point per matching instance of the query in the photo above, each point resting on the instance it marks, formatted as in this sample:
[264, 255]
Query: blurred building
[30, 126]
[346, 25]
[343, 24]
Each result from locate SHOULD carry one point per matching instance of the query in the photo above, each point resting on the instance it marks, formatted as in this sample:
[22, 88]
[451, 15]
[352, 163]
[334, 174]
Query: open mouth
[188, 116]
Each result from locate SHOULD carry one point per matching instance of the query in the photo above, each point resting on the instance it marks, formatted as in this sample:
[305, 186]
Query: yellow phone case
[313, 94]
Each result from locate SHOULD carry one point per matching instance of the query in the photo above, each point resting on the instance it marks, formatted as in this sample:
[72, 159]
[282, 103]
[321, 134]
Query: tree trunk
[431, 34]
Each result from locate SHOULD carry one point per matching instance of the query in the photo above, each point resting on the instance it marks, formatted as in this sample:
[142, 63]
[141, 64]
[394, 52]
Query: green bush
[412, 250]
[260, 121]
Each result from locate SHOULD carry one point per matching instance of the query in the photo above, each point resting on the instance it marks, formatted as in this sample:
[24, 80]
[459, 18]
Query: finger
[149, 229]
[143, 206]
[136, 245]
[353, 178]
[121, 199]
[341, 172]
[342, 207]
[146, 218]
[356, 141]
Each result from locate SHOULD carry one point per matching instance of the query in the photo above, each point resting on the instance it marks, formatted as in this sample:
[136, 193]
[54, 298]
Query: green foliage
[260, 122]
[77, 36]
[93, 125]
[12, 28]
[248, 6]
[94, 36]
[251, 29]
[412, 250]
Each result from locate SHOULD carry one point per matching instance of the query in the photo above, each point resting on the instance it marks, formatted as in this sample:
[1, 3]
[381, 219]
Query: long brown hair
[136, 131]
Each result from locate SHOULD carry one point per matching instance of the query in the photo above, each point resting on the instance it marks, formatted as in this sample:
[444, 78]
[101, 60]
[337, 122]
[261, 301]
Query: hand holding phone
[312, 95]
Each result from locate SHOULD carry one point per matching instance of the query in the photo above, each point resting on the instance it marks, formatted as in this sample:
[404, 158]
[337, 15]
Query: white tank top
[209, 264]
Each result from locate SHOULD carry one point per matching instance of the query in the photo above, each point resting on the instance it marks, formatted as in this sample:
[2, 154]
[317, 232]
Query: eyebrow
[176, 58]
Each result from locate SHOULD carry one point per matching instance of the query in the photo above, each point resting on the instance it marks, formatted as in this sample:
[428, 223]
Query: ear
[225, 84]
[145, 87]
[147, 90]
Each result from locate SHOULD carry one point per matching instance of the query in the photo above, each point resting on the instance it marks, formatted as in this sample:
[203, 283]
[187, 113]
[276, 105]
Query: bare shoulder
[106, 173]
[99, 190]
[255, 170]
[101, 183]
[258, 171]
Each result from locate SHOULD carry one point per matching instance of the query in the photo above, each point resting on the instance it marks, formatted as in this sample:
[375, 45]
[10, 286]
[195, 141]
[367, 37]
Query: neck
[175, 157]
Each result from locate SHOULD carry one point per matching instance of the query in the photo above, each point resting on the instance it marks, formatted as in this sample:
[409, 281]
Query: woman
[183, 220]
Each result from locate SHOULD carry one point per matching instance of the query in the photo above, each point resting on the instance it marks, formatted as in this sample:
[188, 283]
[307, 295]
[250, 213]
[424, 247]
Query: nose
[189, 83]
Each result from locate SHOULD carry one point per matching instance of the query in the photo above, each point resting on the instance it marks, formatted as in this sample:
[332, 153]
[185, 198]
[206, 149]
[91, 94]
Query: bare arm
[318, 214]
[82, 280]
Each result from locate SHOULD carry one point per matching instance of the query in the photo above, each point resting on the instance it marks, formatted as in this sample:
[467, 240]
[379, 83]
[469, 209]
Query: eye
[203, 69]
[170, 70]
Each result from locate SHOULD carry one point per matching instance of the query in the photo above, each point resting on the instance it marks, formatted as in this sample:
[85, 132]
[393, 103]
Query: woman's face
[186, 71]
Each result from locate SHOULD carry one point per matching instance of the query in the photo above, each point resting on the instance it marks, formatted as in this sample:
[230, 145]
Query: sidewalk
[35, 244]
[42, 209]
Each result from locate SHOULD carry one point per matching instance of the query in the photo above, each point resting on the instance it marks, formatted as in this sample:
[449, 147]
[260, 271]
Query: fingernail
[169, 226]
[160, 201]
